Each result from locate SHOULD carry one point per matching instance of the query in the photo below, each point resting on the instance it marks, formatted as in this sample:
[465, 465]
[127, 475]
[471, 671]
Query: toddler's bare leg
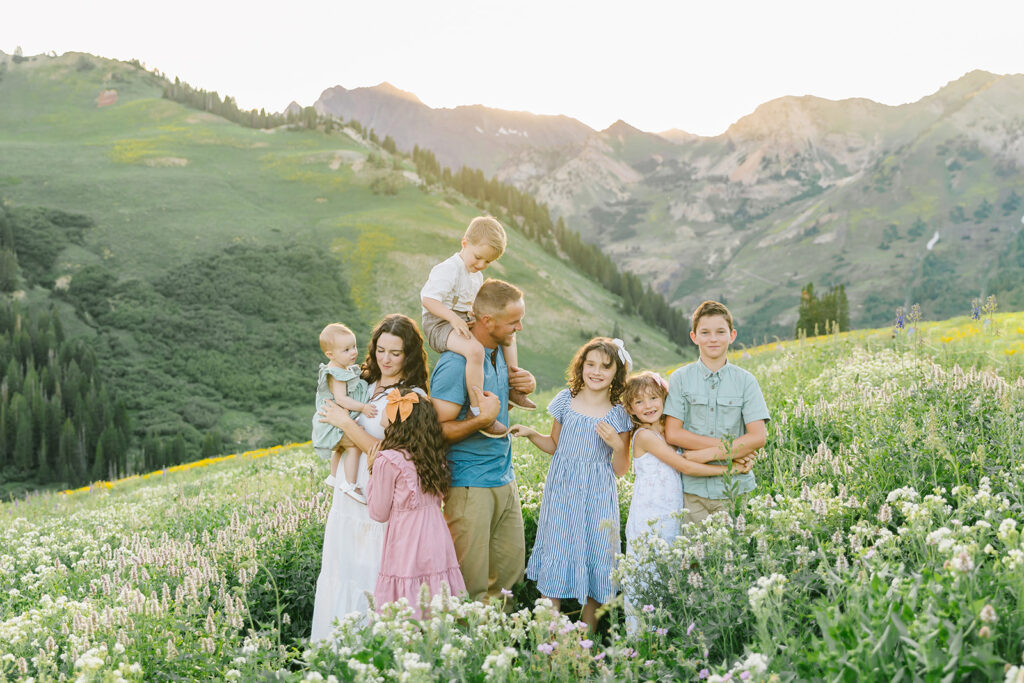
[516, 397]
[351, 470]
[335, 459]
[351, 465]
[473, 351]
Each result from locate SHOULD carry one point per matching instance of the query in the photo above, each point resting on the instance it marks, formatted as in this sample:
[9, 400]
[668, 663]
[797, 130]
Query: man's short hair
[487, 231]
[711, 308]
[494, 296]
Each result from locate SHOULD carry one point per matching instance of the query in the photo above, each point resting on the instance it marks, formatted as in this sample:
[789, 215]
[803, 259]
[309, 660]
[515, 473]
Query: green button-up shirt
[717, 404]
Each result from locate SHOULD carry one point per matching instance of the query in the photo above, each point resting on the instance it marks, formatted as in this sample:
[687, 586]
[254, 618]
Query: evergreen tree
[99, 465]
[23, 437]
[67, 453]
[9, 270]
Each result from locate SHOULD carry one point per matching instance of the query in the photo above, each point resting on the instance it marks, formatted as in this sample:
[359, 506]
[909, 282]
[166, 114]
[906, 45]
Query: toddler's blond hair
[332, 334]
[487, 231]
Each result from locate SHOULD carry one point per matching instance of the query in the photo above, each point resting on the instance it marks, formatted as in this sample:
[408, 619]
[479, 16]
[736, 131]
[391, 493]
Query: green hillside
[216, 252]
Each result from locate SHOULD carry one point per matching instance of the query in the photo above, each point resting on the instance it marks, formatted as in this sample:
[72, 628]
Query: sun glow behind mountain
[658, 66]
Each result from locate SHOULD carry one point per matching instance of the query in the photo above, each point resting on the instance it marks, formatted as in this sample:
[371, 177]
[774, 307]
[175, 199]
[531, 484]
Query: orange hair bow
[399, 405]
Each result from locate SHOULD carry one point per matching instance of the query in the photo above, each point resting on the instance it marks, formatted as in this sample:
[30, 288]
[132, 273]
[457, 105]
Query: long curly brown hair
[420, 436]
[574, 374]
[414, 367]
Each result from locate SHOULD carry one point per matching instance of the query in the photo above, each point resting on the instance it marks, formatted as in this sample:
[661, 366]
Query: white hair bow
[624, 356]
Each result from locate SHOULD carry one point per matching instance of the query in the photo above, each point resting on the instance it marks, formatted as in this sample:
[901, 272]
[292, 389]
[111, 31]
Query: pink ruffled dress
[418, 548]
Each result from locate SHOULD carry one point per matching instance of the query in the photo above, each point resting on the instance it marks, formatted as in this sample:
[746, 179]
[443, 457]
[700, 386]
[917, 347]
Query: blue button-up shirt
[717, 404]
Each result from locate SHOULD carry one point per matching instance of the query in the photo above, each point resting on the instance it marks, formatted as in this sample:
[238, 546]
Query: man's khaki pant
[487, 529]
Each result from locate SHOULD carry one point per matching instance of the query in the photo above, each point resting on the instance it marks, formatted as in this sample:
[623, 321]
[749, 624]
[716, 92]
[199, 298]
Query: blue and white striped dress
[573, 556]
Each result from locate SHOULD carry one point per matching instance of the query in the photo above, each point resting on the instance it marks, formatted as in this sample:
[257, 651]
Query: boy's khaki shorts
[699, 508]
[436, 330]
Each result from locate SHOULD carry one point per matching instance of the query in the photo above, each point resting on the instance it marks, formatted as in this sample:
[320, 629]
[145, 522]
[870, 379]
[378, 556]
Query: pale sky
[657, 65]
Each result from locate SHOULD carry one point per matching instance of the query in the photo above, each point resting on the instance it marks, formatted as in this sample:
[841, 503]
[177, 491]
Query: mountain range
[917, 203]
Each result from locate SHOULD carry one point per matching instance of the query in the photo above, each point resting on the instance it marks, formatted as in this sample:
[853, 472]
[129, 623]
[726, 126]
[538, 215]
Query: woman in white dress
[352, 541]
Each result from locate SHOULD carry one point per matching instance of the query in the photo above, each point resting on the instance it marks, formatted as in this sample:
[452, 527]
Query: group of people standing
[429, 493]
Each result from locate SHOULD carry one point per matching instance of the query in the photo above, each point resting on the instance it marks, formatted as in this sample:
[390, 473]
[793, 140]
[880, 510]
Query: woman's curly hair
[574, 374]
[420, 436]
[639, 385]
[414, 366]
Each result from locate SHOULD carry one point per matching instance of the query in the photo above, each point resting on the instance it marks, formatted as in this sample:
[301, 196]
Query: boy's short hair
[487, 231]
[494, 296]
[711, 308]
[331, 334]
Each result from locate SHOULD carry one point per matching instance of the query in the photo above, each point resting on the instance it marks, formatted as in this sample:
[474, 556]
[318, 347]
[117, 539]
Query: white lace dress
[352, 546]
[657, 496]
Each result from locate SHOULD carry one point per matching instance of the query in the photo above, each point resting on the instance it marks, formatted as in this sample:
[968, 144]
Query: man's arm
[752, 441]
[456, 430]
[676, 435]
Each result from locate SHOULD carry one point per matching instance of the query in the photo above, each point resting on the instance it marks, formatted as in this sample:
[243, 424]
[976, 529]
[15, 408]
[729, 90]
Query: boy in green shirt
[711, 401]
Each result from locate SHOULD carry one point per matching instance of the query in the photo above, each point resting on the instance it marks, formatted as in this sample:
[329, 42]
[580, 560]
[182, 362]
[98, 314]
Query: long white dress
[353, 544]
[657, 495]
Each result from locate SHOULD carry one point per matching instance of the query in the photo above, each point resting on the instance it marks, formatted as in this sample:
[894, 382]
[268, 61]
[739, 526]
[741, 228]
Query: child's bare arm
[742, 446]
[441, 311]
[619, 443]
[648, 443]
[340, 391]
[679, 436]
[546, 442]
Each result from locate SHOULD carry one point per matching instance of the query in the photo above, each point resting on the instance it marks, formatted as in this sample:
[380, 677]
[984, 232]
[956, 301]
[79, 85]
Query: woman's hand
[333, 414]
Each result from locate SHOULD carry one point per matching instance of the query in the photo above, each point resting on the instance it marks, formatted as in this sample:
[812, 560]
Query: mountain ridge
[835, 190]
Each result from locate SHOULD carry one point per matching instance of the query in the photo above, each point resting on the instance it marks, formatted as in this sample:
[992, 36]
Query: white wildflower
[988, 614]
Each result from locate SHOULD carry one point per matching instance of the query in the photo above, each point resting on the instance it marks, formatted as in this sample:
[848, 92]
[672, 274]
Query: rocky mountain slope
[913, 203]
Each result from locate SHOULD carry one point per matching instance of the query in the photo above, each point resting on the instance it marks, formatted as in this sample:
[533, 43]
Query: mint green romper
[326, 436]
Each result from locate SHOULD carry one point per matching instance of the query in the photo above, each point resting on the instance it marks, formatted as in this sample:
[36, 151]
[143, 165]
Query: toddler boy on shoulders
[447, 299]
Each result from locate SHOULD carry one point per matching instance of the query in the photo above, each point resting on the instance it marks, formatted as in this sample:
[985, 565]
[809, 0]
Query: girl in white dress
[353, 542]
[657, 486]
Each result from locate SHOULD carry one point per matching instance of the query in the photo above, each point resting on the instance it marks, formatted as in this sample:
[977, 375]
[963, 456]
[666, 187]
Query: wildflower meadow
[883, 542]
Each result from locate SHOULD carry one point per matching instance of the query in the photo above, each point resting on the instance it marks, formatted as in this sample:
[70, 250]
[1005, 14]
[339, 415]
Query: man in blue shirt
[482, 509]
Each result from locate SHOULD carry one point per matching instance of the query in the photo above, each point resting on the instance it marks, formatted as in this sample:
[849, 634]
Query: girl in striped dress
[578, 529]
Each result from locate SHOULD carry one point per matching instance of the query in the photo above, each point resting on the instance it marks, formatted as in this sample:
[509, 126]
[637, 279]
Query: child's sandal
[349, 489]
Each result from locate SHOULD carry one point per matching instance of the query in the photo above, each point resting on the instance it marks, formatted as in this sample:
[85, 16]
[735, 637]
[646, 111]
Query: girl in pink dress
[409, 478]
